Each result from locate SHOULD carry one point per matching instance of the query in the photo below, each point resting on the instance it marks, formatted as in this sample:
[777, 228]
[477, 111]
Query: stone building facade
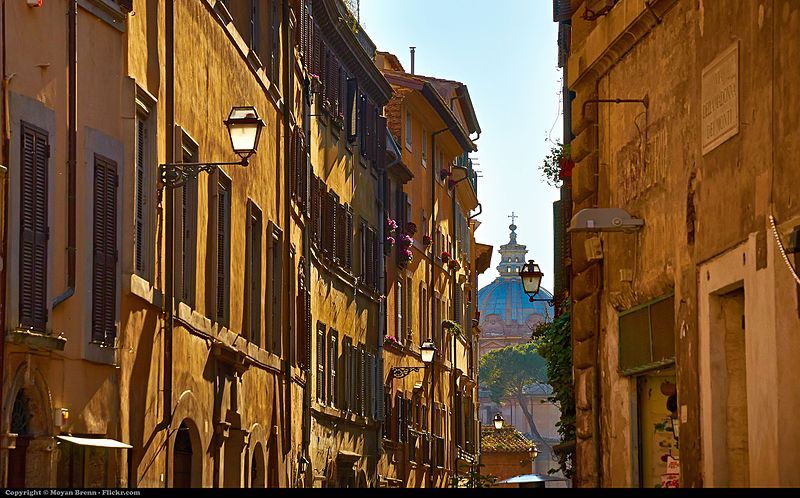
[266, 368]
[683, 115]
[430, 428]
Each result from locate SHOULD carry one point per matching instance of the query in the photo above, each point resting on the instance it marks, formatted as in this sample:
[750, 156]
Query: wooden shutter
[341, 233]
[293, 160]
[223, 207]
[362, 118]
[314, 208]
[141, 157]
[104, 271]
[362, 381]
[336, 76]
[380, 161]
[348, 239]
[332, 363]
[351, 109]
[562, 10]
[34, 229]
[320, 363]
[375, 255]
[302, 173]
[379, 385]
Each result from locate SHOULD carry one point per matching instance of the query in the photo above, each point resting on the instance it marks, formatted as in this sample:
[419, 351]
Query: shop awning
[99, 442]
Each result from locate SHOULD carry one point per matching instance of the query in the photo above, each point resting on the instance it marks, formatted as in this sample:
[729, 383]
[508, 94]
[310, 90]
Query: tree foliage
[553, 341]
[473, 478]
[507, 371]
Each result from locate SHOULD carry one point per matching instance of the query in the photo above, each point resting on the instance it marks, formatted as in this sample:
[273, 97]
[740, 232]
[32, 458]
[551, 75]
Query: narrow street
[363, 244]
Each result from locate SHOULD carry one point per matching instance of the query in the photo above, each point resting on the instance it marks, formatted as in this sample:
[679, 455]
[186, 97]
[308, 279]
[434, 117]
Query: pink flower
[390, 240]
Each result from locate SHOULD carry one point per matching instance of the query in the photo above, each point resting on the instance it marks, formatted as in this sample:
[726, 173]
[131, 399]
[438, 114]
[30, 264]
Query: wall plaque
[720, 97]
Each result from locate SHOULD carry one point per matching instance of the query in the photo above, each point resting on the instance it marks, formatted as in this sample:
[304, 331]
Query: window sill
[143, 289]
[36, 340]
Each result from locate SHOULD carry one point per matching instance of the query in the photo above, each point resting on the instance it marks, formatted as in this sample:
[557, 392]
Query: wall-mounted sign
[720, 99]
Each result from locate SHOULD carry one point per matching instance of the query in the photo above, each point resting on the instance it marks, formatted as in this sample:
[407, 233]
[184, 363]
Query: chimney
[413, 49]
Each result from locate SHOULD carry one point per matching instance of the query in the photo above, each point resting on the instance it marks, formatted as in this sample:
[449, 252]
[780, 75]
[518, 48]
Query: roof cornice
[328, 15]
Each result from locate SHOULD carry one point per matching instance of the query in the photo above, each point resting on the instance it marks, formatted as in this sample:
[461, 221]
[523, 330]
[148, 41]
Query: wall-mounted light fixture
[427, 351]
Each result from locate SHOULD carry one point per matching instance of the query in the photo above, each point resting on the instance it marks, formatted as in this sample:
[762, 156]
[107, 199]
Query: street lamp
[531, 277]
[427, 351]
[244, 128]
[533, 452]
[498, 421]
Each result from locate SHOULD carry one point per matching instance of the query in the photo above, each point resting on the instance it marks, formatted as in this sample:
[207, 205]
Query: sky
[505, 52]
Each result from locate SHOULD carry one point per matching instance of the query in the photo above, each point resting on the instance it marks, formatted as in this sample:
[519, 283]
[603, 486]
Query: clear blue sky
[505, 51]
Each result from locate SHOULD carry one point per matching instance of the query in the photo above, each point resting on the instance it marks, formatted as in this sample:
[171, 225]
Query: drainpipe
[72, 147]
[3, 244]
[288, 91]
[169, 84]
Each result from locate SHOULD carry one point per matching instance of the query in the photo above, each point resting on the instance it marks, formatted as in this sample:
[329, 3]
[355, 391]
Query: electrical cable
[782, 249]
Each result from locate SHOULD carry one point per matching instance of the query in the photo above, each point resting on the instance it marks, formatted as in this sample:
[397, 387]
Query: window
[320, 362]
[104, 240]
[222, 249]
[255, 32]
[333, 352]
[423, 310]
[351, 111]
[252, 276]
[646, 336]
[274, 42]
[410, 311]
[34, 227]
[424, 147]
[303, 319]
[145, 173]
[345, 386]
[275, 282]
[398, 299]
[409, 130]
[186, 229]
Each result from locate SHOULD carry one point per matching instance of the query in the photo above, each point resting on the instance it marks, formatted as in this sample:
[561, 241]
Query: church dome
[505, 308]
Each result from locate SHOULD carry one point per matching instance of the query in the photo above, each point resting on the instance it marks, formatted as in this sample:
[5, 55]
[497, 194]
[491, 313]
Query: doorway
[18, 456]
[658, 445]
[729, 373]
[183, 452]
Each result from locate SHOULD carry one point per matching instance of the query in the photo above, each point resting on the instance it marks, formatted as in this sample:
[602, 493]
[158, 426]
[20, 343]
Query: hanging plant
[427, 240]
[445, 256]
[444, 173]
[454, 264]
[453, 327]
[315, 83]
[557, 165]
[390, 340]
[390, 241]
[391, 225]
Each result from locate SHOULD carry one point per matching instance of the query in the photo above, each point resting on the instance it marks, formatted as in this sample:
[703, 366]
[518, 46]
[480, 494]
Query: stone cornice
[350, 50]
[612, 37]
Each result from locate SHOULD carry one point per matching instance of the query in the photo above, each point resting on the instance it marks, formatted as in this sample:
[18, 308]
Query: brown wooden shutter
[141, 144]
[104, 271]
[307, 331]
[314, 208]
[302, 168]
[380, 132]
[348, 238]
[351, 109]
[293, 158]
[34, 229]
[223, 196]
[375, 256]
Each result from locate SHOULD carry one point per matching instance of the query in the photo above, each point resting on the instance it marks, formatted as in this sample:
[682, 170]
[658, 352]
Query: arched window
[258, 477]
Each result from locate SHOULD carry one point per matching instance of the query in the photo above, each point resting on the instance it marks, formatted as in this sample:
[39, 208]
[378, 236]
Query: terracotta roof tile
[505, 440]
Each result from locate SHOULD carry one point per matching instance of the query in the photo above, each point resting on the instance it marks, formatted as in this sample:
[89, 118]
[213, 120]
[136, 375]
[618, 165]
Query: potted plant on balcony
[444, 173]
[557, 166]
[391, 225]
[446, 257]
[454, 264]
[390, 340]
[427, 241]
[390, 241]
[315, 83]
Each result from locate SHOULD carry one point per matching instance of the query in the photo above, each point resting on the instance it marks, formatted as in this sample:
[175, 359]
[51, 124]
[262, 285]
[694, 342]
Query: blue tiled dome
[505, 296]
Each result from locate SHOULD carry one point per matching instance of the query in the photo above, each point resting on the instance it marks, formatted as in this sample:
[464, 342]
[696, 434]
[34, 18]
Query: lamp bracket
[174, 175]
[400, 372]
